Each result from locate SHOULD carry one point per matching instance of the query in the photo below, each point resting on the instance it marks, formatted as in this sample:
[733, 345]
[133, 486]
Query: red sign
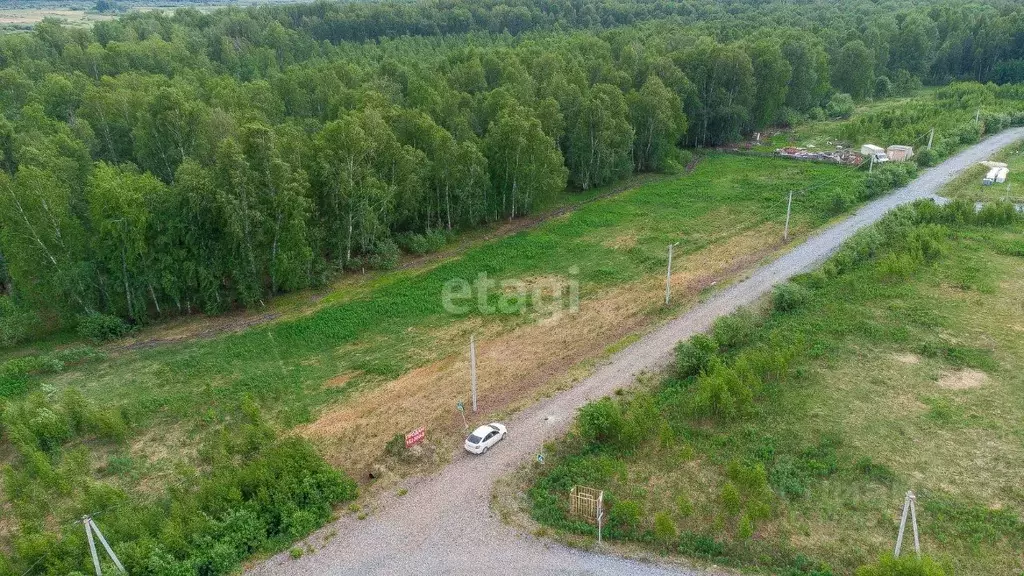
[415, 437]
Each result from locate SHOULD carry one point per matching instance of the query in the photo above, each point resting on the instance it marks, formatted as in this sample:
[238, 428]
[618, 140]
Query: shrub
[694, 356]
[883, 87]
[746, 528]
[601, 423]
[731, 499]
[840, 106]
[927, 157]
[838, 201]
[734, 330]
[903, 566]
[15, 324]
[700, 545]
[721, 393]
[997, 214]
[888, 176]
[385, 255]
[665, 531]
[789, 296]
[625, 516]
[102, 327]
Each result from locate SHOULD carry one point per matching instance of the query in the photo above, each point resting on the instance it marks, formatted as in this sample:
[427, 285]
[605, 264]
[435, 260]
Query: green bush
[665, 531]
[883, 87]
[16, 325]
[385, 255]
[730, 496]
[694, 356]
[789, 296]
[624, 517]
[907, 565]
[997, 214]
[927, 157]
[838, 201]
[888, 176]
[700, 545]
[420, 244]
[684, 506]
[601, 423]
[102, 327]
[735, 330]
[721, 393]
[746, 527]
[840, 106]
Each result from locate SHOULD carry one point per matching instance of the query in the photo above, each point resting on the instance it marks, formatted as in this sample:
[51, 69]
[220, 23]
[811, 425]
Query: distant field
[26, 17]
[23, 18]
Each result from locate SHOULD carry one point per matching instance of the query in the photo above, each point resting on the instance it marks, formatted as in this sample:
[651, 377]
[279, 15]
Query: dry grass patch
[963, 379]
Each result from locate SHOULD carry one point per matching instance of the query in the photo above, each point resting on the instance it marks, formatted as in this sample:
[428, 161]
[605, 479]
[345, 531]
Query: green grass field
[174, 396]
[899, 369]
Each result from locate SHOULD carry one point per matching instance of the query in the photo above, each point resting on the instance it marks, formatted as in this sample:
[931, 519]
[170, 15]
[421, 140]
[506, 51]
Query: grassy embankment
[786, 440]
[726, 214]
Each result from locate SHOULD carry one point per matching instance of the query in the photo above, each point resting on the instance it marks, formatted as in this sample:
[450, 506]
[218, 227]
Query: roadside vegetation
[968, 186]
[786, 438]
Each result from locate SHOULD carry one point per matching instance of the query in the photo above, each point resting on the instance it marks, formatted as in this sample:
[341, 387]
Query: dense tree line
[160, 164]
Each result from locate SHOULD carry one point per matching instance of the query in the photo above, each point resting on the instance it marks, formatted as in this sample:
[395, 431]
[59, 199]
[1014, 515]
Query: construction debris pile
[841, 156]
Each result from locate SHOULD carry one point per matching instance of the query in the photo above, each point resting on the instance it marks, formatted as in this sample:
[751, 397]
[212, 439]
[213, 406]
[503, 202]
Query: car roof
[483, 430]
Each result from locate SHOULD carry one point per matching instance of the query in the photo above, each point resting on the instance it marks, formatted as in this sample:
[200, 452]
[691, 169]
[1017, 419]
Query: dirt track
[444, 525]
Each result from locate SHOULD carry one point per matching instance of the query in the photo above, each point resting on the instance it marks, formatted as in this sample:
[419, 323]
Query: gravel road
[444, 524]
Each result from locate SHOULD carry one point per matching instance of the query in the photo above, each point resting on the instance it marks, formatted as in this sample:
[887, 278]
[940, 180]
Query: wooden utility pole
[472, 367]
[789, 208]
[908, 505]
[668, 274]
[931, 135]
[90, 528]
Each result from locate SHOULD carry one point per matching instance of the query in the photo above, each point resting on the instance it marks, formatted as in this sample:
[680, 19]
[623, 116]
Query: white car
[484, 437]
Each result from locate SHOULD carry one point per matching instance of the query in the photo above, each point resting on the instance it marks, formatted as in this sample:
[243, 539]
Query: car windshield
[473, 439]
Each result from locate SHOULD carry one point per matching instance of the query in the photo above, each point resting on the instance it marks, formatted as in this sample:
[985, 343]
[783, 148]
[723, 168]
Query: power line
[34, 564]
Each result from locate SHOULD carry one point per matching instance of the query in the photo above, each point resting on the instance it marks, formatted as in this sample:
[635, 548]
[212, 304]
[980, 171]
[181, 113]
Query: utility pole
[871, 166]
[908, 505]
[977, 116]
[931, 135]
[789, 208]
[91, 527]
[668, 274]
[472, 367]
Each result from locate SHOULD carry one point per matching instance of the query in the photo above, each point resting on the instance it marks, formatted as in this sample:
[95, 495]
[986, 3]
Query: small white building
[899, 153]
[1001, 175]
